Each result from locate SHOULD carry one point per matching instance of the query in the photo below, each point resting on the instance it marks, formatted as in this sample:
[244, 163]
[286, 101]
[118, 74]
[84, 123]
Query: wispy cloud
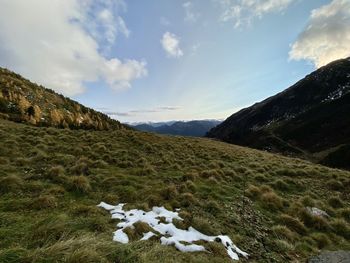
[190, 14]
[327, 36]
[164, 21]
[139, 111]
[61, 44]
[171, 44]
[244, 12]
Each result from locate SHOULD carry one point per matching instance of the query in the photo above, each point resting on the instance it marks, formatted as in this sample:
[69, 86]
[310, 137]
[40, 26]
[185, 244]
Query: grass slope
[52, 179]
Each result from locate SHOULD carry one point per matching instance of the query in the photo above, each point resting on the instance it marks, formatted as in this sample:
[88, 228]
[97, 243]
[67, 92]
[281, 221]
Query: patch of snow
[317, 212]
[120, 236]
[169, 234]
[147, 235]
[338, 93]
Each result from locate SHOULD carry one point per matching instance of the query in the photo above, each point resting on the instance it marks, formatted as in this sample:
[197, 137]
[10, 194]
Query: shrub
[293, 224]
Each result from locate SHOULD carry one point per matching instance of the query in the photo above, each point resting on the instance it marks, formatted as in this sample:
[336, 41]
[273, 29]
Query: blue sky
[164, 60]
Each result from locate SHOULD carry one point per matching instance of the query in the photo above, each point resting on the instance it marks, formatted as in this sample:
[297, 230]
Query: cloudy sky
[160, 60]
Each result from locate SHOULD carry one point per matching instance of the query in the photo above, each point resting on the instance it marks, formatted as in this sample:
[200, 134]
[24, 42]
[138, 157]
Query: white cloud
[190, 15]
[327, 36]
[243, 12]
[60, 43]
[171, 45]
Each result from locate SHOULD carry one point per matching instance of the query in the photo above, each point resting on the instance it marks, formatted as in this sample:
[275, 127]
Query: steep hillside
[51, 181]
[24, 101]
[310, 119]
[197, 128]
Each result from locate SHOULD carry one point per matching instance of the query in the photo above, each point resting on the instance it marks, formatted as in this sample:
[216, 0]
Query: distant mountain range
[24, 101]
[311, 119]
[197, 128]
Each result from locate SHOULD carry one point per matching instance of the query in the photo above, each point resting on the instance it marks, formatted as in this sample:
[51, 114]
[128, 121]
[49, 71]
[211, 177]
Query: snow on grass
[168, 233]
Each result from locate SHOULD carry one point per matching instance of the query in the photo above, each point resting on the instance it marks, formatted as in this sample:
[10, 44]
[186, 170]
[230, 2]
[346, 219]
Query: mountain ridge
[304, 120]
[197, 128]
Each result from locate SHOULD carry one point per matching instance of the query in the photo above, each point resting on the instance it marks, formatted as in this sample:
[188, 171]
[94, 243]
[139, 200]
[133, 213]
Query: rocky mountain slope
[311, 119]
[197, 128]
[24, 101]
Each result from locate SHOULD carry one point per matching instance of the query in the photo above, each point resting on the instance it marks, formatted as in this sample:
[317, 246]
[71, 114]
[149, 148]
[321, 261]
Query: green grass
[52, 179]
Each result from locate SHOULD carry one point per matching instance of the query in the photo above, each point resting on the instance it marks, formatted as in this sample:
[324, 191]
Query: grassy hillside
[24, 101]
[52, 179]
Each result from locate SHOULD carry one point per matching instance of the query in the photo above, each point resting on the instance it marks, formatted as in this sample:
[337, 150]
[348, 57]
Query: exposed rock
[316, 211]
[331, 257]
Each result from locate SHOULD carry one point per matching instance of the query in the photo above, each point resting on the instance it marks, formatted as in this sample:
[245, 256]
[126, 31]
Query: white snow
[169, 234]
[338, 93]
[147, 235]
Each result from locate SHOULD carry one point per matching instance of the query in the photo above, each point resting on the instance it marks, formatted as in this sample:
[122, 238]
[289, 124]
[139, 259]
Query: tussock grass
[293, 224]
[79, 184]
[52, 179]
[10, 183]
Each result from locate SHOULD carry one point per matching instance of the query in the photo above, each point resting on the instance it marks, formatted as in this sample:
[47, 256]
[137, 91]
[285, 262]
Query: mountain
[311, 119]
[24, 101]
[197, 128]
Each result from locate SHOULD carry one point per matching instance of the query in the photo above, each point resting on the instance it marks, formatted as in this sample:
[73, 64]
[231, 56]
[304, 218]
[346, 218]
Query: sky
[161, 60]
